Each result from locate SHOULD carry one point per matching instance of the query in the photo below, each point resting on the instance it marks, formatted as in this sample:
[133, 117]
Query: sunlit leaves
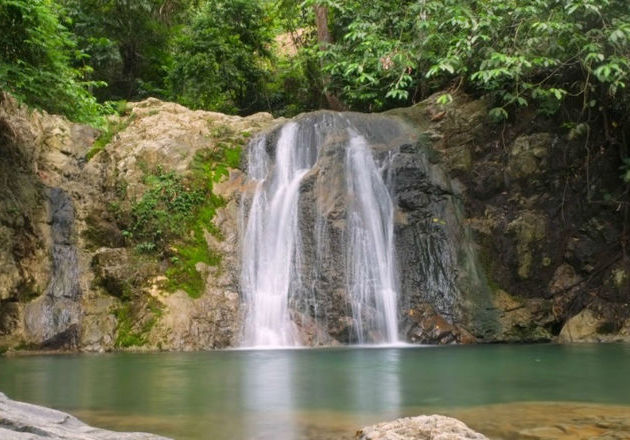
[36, 61]
[519, 52]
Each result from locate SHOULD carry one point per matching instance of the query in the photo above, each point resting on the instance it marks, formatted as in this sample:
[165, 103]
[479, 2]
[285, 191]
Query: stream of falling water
[371, 271]
[271, 246]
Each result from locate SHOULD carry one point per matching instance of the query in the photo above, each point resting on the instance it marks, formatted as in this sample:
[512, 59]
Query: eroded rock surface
[433, 427]
[23, 421]
[70, 277]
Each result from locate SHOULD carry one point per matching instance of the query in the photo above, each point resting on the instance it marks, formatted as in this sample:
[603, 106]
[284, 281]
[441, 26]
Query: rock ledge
[23, 421]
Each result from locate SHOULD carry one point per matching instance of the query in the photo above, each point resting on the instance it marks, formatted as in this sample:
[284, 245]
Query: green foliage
[207, 167]
[36, 56]
[218, 60]
[164, 210]
[174, 215]
[520, 52]
[128, 332]
[127, 42]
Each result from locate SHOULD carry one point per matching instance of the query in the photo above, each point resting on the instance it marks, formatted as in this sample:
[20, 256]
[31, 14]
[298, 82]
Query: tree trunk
[321, 20]
[324, 39]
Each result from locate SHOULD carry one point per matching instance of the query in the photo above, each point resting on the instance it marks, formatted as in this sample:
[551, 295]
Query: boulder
[588, 326]
[434, 427]
[430, 328]
[529, 154]
[23, 421]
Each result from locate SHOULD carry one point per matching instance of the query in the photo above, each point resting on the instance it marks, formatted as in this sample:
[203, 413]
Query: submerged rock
[434, 427]
[23, 421]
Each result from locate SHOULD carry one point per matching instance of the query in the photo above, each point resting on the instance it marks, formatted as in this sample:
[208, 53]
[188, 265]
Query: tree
[36, 56]
[219, 60]
[128, 42]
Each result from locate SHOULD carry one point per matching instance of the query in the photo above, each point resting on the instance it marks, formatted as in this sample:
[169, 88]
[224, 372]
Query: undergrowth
[128, 333]
[174, 215]
[112, 128]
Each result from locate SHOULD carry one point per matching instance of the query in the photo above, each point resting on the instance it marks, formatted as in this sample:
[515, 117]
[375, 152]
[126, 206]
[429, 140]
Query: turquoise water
[291, 394]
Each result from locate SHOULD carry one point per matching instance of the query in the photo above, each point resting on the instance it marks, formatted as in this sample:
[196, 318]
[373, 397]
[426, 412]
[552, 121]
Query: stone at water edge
[24, 421]
[432, 427]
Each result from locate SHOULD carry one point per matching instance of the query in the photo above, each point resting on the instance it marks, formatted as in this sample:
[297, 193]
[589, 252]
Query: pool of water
[315, 393]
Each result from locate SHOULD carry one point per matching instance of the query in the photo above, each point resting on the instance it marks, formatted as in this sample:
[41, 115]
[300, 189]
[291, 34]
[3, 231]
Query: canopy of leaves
[127, 41]
[219, 59]
[36, 60]
[521, 52]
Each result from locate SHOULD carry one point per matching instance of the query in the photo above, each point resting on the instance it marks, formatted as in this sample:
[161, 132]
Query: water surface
[315, 393]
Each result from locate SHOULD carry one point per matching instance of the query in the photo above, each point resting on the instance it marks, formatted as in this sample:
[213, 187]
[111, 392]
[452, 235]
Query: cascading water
[271, 240]
[371, 271]
[274, 259]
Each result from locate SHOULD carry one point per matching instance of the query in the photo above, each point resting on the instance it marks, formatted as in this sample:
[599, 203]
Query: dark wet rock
[52, 320]
[427, 327]
[23, 421]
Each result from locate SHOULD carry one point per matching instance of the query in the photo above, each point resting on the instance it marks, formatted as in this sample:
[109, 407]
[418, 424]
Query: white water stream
[272, 246]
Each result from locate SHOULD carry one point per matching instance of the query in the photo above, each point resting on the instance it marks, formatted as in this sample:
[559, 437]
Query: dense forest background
[566, 59]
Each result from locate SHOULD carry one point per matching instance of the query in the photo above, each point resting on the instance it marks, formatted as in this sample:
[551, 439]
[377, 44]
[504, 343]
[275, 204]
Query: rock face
[433, 427]
[546, 254]
[23, 421]
[495, 241]
[442, 294]
[70, 278]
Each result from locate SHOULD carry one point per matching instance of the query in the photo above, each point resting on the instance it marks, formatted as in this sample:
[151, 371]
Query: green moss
[183, 273]
[207, 168]
[111, 129]
[131, 333]
[174, 214]
[28, 291]
[487, 266]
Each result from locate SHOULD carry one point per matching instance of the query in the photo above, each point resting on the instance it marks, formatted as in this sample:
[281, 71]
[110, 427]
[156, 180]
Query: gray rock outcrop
[23, 421]
[434, 427]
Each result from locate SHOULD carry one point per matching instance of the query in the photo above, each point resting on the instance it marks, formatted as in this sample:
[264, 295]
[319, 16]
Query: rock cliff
[538, 205]
[74, 272]
[128, 239]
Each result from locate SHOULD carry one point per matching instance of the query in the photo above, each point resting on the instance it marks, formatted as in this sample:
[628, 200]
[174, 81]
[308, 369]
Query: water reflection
[266, 394]
[375, 381]
[279, 387]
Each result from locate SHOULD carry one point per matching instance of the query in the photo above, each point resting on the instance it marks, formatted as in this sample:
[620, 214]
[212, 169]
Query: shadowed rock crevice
[52, 320]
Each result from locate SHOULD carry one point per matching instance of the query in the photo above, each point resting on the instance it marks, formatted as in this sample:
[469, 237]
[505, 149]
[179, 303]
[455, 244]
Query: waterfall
[275, 259]
[271, 241]
[372, 278]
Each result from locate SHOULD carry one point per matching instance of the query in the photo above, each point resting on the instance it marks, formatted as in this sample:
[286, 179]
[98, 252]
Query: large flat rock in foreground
[433, 427]
[23, 421]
